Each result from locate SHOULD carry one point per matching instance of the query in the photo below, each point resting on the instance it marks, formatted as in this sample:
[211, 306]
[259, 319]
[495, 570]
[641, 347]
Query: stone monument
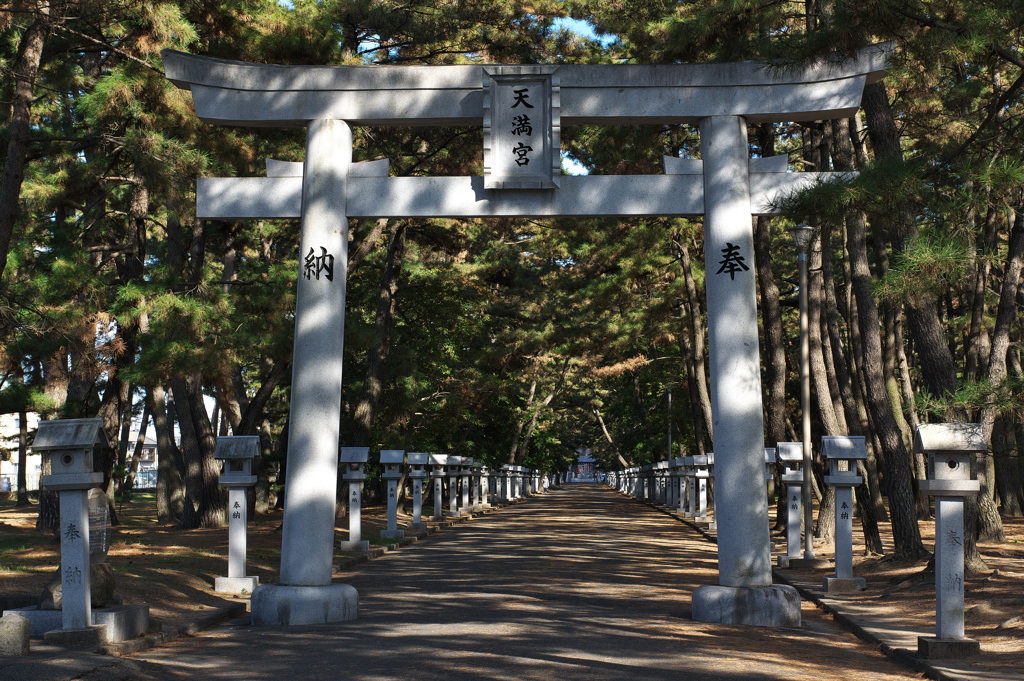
[437, 466]
[417, 462]
[842, 452]
[790, 456]
[237, 452]
[950, 448]
[354, 459]
[392, 460]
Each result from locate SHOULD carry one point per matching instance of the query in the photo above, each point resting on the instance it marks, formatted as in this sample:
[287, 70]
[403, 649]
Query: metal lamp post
[802, 236]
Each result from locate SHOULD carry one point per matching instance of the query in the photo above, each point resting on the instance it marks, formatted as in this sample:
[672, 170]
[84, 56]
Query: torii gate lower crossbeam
[727, 188]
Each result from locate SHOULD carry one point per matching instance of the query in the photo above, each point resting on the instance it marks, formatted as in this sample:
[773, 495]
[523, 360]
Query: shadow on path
[580, 583]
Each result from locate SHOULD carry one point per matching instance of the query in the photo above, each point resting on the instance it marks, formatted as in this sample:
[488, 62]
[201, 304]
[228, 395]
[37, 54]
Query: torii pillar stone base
[274, 604]
[765, 606]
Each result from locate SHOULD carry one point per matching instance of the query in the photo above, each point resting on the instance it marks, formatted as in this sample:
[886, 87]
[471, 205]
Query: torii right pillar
[745, 593]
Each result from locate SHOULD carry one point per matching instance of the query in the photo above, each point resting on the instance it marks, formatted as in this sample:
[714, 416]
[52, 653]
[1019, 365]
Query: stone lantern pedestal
[950, 447]
[354, 458]
[237, 453]
[842, 453]
[68, 448]
[392, 460]
[417, 461]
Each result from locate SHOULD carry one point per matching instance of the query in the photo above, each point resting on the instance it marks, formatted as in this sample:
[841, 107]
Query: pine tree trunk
[203, 499]
[22, 482]
[170, 493]
[774, 350]
[140, 444]
[387, 304]
[1009, 465]
[26, 69]
[906, 533]
[697, 341]
[934, 357]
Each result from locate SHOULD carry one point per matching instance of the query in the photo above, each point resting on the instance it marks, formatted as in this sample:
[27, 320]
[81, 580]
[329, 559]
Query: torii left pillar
[305, 594]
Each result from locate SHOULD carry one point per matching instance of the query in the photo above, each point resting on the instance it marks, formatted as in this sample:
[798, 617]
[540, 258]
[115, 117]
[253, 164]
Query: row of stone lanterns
[68, 448]
[681, 484]
[949, 448]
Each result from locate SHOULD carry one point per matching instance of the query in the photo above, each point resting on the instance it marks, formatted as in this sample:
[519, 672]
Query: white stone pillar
[744, 555]
[307, 545]
[438, 494]
[794, 514]
[238, 511]
[844, 533]
[453, 491]
[76, 609]
[744, 547]
[949, 568]
[392, 531]
[307, 542]
[417, 500]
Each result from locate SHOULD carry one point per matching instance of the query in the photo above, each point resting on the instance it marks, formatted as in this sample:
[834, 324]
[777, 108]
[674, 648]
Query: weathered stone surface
[101, 583]
[932, 648]
[279, 604]
[84, 637]
[240, 93]
[14, 633]
[770, 606]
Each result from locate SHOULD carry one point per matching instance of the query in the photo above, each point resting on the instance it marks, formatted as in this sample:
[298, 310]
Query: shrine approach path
[580, 583]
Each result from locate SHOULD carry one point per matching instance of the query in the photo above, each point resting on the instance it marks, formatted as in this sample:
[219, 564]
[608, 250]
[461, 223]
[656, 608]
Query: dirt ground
[173, 571]
[170, 570]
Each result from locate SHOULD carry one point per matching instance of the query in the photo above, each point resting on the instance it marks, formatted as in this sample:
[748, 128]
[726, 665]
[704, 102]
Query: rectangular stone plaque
[521, 127]
[99, 526]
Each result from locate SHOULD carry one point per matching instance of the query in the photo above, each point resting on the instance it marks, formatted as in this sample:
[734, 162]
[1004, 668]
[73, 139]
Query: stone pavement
[581, 583]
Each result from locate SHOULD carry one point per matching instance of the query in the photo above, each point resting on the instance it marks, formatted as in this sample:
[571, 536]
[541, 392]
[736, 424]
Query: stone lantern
[466, 471]
[238, 454]
[454, 466]
[477, 471]
[702, 474]
[392, 460]
[417, 462]
[68, 447]
[790, 455]
[437, 466]
[354, 459]
[842, 452]
[950, 448]
[677, 480]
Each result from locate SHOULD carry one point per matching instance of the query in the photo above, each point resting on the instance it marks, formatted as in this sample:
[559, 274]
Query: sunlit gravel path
[580, 583]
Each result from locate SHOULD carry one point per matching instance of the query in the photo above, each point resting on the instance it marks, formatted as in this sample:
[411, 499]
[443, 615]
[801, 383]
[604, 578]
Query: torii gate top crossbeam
[260, 95]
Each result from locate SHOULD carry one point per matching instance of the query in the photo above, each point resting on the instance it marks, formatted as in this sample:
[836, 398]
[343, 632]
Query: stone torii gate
[521, 109]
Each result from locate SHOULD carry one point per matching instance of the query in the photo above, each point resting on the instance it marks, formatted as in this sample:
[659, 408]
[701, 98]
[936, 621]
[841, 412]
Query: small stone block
[122, 622]
[815, 563]
[359, 546]
[392, 534]
[765, 606]
[40, 621]
[236, 585]
[417, 527]
[932, 648]
[836, 585]
[274, 604]
[85, 637]
[14, 634]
